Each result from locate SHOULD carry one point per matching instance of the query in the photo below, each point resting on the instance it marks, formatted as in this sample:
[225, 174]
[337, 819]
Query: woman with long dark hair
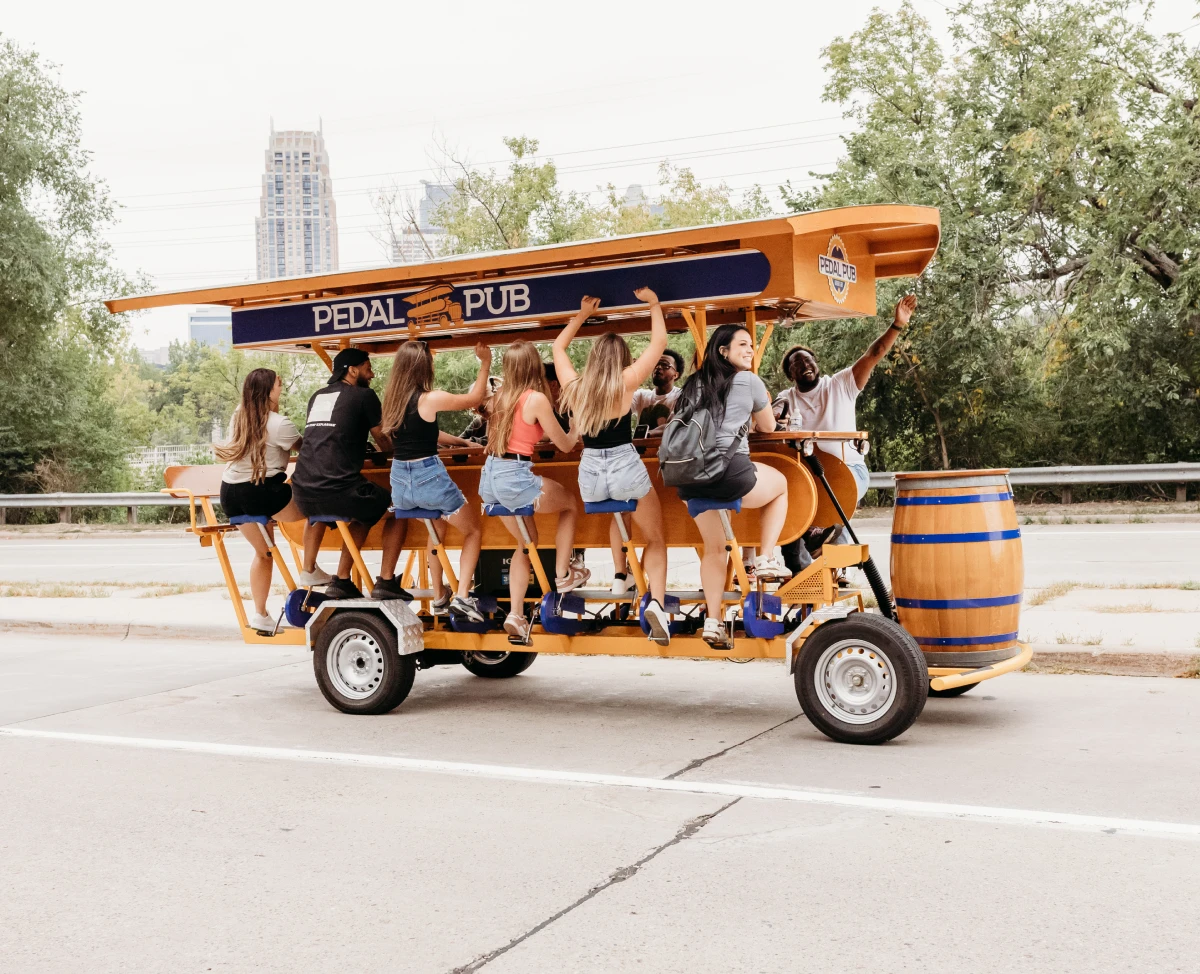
[738, 401]
[256, 455]
[419, 478]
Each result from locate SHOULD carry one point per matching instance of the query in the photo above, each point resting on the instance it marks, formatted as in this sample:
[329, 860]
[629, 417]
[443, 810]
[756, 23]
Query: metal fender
[839, 610]
[410, 634]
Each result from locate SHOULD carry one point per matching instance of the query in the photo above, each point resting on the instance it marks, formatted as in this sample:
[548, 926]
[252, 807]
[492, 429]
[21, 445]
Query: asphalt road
[165, 818]
[1090, 553]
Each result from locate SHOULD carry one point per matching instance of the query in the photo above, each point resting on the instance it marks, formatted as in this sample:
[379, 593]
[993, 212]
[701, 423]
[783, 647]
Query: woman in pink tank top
[523, 414]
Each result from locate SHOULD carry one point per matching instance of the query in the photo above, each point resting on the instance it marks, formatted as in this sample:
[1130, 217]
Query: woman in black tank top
[599, 401]
[415, 438]
[616, 433]
[420, 480]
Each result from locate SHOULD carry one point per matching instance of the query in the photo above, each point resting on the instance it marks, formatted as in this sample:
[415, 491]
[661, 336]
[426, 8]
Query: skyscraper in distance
[296, 227]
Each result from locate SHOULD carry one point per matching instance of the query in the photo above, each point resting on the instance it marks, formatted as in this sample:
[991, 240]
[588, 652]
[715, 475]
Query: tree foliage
[59, 348]
[1058, 321]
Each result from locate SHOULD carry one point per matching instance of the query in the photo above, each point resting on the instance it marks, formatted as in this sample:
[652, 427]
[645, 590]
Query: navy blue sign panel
[457, 307]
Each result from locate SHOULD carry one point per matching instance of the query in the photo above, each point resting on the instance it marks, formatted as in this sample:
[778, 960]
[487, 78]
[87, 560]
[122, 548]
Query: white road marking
[944, 810]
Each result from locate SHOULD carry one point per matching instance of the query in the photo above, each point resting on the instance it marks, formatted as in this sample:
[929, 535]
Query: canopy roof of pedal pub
[818, 265]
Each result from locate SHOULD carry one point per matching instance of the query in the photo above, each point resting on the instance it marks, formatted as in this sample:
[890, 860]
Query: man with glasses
[653, 407]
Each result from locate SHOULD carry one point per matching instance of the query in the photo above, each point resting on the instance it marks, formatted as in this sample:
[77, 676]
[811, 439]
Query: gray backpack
[688, 453]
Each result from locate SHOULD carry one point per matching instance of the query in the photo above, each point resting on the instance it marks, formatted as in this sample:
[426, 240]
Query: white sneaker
[715, 635]
[318, 576]
[620, 584]
[771, 569]
[659, 622]
[262, 623]
[518, 628]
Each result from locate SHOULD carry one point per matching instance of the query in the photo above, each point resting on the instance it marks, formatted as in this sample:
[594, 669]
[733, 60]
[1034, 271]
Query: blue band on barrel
[960, 499]
[1004, 637]
[1008, 535]
[958, 603]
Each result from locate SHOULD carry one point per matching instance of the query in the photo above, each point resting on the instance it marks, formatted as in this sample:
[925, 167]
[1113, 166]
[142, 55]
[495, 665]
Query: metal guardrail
[1180, 474]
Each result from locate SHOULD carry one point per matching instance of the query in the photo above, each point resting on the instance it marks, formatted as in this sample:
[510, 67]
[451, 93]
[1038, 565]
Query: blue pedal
[553, 605]
[754, 616]
[672, 606]
[487, 605]
[300, 604]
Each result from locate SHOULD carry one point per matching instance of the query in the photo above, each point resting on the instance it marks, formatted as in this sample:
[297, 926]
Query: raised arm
[640, 370]
[437, 400]
[883, 344]
[538, 409]
[562, 361]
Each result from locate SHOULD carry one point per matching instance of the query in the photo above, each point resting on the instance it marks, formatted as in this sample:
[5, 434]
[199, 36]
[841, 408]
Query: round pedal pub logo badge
[840, 272]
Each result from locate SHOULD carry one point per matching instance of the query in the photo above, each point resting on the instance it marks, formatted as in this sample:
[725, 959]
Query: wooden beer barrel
[957, 566]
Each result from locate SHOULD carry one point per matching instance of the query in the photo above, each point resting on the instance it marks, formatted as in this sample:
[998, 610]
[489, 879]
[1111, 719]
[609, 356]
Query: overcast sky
[177, 103]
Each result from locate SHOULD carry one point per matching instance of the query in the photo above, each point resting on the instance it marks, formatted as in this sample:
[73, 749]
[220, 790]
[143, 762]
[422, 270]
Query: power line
[497, 162]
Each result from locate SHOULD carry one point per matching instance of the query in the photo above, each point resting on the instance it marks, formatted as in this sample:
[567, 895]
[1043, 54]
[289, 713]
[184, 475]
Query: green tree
[59, 347]
[1058, 321]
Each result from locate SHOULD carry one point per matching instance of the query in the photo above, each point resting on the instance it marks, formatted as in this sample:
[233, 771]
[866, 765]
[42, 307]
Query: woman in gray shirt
[739, 401]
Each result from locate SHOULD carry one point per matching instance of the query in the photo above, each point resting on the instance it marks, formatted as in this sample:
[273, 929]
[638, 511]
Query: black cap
[346, 359]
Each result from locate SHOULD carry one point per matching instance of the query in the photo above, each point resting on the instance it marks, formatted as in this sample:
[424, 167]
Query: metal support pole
[1180, 495]
[64, 515]
[1066, 495]
[132, 514]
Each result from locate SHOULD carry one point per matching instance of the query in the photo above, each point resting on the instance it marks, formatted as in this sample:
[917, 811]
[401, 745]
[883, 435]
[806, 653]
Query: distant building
[211, 326]
[635, 196]
[426, 240]
[296, 226]
[157, 356]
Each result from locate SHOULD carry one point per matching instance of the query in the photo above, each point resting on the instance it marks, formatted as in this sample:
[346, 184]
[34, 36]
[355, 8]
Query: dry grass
[1056, 590]
[1053, 591]
[179, 588]
[51, 590]
[1130, 607]
[1077, 639]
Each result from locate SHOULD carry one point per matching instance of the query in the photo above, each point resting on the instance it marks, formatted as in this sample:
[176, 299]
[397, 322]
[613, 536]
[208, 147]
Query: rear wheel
[862, 679]
[357, 666]
[498, 666]
[953, 691]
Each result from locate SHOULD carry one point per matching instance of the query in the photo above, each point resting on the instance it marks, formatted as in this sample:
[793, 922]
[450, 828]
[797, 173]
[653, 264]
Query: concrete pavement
[150, 860]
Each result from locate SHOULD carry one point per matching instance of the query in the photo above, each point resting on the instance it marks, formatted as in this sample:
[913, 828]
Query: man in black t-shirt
[328, 479]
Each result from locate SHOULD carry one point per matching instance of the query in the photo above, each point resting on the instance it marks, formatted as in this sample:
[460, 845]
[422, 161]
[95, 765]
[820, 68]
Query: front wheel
[862, 679]
[357, 665]
[498, 666]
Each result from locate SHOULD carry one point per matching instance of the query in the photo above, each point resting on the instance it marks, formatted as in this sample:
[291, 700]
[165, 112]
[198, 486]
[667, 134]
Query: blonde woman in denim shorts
[599, 402]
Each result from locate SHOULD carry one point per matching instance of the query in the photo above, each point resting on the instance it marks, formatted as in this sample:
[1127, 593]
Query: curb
[136, 630]
[1047, 658]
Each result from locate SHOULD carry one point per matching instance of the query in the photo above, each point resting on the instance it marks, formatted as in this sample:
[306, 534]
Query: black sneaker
[389, 588]
[342, 588]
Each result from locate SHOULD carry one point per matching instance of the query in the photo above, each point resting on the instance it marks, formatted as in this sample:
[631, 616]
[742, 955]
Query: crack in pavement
[690, 828]
[693, 765]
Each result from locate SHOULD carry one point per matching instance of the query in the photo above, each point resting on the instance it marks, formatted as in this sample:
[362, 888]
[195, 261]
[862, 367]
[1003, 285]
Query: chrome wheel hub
[855, 682]
[486, 659]
[355, 664]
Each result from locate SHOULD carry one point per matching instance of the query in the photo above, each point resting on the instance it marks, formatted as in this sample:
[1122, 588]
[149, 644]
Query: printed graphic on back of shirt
[322, 407]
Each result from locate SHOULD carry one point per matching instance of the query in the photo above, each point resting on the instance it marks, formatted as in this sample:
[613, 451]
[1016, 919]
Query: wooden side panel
[679, 529]
[814, 287]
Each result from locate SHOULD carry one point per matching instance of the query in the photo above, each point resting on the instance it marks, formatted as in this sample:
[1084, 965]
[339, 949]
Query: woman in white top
[255, 479]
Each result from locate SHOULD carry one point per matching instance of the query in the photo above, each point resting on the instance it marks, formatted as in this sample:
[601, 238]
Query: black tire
[373, 678]
[498, 666]
[888, 654]
[953, 691]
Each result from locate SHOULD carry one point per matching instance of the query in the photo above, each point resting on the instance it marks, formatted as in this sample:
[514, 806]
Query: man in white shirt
[825, 403]
[652, 407]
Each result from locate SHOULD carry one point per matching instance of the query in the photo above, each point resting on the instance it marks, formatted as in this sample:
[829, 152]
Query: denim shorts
[615, 474]
[425, 483]
[509, 483]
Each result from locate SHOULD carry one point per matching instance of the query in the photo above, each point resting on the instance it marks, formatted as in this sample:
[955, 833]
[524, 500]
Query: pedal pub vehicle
[861, 676]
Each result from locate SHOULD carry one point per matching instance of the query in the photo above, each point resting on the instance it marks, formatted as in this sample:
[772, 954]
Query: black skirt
[256, 500]
[737, 481]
